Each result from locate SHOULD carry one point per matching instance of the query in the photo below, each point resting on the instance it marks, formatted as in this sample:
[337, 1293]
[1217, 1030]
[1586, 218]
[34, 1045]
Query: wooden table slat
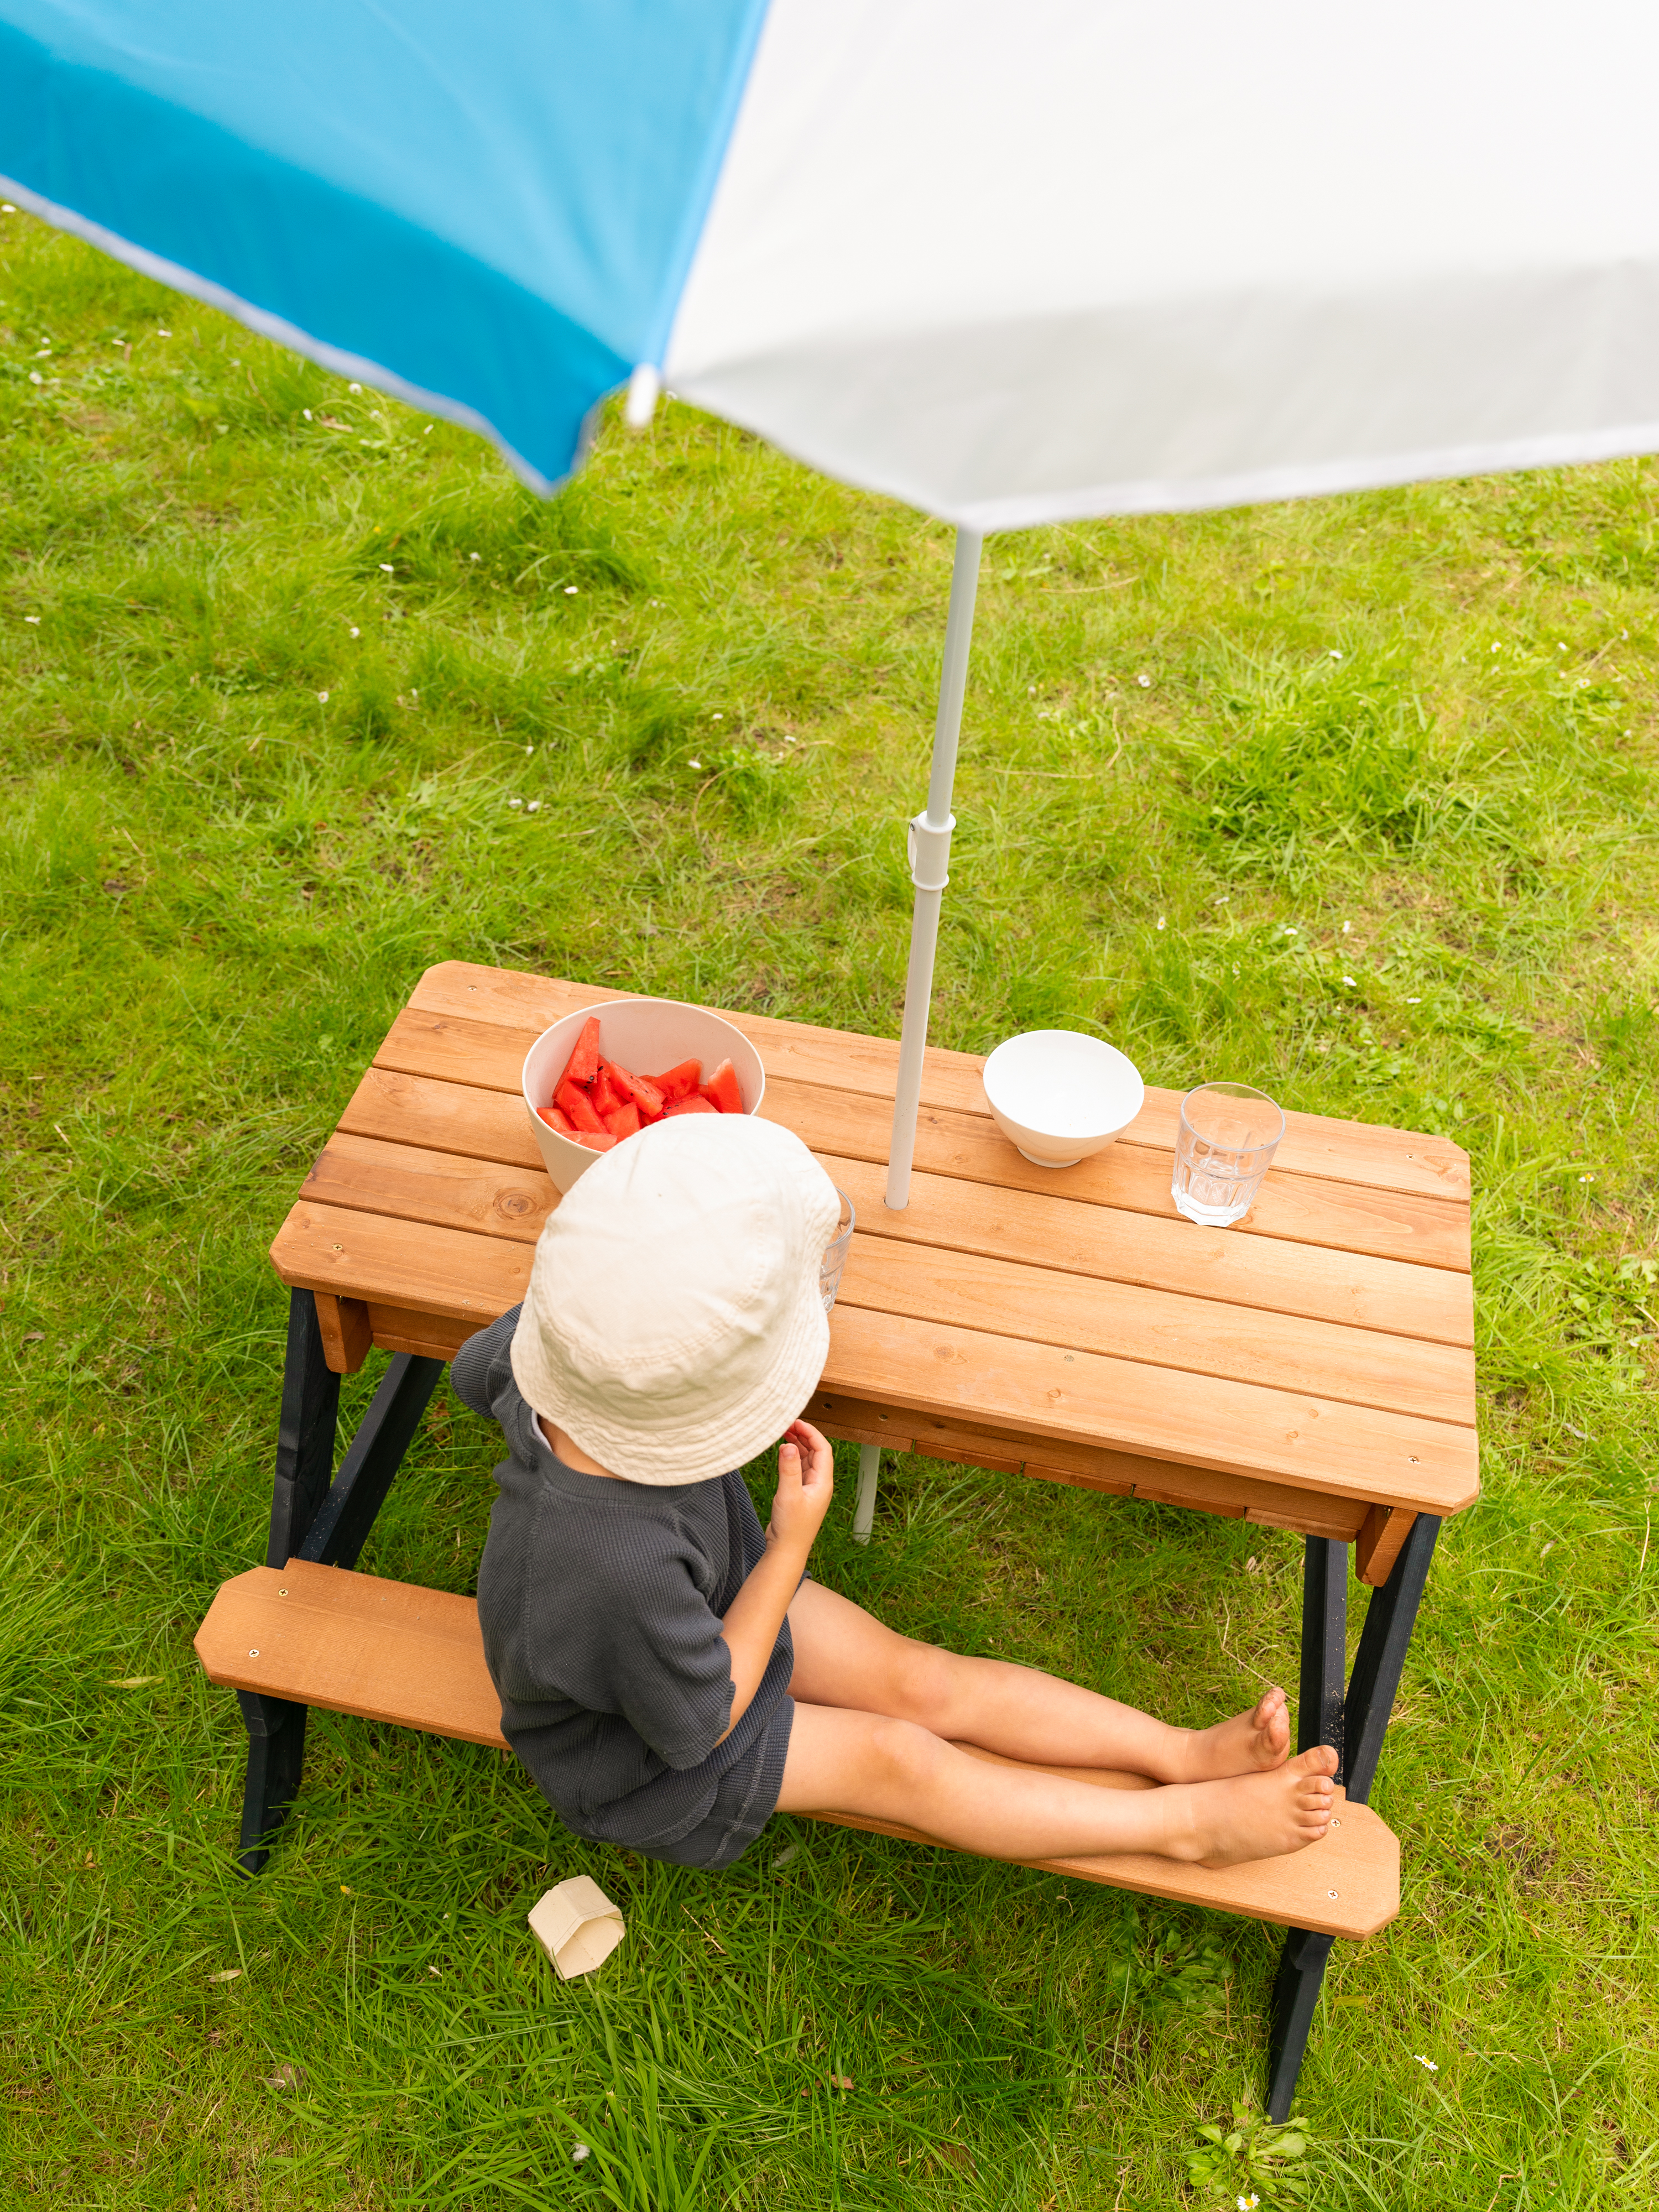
[1011, 1296]
[1166, 1253]
[1339, 1151]
[1235, 1428]
[443, 1188]
[1389, 1225]
[402, 1264]
[1424, 1232]
[1163, 1253]
[1090, 1466]
[1388, 1458]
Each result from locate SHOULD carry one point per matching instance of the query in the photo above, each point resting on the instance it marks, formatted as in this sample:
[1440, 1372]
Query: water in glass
[1227, 1135]
[834, 1253]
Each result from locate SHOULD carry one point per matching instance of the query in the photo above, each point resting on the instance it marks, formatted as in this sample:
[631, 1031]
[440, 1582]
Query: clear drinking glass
[1227, 1135]
[834, 1252]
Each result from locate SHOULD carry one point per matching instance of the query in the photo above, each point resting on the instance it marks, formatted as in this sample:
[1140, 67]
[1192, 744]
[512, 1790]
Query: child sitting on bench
[668, 1673]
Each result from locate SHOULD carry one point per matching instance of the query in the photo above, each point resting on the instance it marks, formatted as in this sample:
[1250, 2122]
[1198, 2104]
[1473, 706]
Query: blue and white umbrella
[1014, 264]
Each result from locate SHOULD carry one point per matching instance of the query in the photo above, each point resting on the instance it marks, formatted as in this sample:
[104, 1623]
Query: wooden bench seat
[390, 1651]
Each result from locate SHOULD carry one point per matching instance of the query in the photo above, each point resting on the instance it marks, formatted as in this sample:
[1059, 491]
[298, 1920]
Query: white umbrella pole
[930, 860]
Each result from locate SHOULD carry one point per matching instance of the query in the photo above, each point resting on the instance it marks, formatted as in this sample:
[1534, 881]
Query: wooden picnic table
[1310, 1369]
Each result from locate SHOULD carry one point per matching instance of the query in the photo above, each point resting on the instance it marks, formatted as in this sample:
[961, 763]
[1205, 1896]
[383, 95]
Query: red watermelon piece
[556, 1119]
[604, 1142]
[722, 1089]
[576, 1105]
[584, 1063]
[624, 1122]
[693, 1104]
[602, 1096]
[638, 1088]
[679, 1082]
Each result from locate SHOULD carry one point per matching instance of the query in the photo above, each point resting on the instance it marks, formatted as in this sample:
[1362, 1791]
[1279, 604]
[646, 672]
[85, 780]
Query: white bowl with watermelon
[601, 1074]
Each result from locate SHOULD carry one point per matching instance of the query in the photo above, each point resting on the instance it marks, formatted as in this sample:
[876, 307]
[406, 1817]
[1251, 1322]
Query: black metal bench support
[312, 1518]
[1355, 1725]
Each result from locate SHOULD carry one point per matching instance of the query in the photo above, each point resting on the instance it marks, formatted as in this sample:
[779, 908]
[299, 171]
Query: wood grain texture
[1343, 1151]
[1430, 1232]
[1166, 1254]
[400, 1328]
[1317, 1357]
[1379, 1543]
[1231, 1428]
[1007, 1296]
[1119, 1474]
[389, 1651]
[1011, 1297]
[346, 1331]
[407, 1264]
[1347, 1884]
[354, 1643]
[966, 1148]
[1035, 1390]
[441, 1116]
[445, 1189]
[1161, 1253]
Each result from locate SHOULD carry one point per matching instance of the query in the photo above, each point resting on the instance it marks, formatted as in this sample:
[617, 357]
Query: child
[668, 1673]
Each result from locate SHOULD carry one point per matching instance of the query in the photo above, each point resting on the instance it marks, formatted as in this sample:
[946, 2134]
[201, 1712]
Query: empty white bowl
[1058, 1095]
[648, 1036]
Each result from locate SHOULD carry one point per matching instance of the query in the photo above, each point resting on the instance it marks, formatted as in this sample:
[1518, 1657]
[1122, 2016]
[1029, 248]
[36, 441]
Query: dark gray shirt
[600, 1603]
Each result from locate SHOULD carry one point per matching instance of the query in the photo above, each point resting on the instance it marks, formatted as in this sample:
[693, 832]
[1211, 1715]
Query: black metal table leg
[313, 1519]
[345, 1517]
[1355, 1725]
[1296, 1993]
[276, 1753]
[1377, 1665]
[1324, 1645]
[1319, 1719]
[305, 1460]
[305, 1440]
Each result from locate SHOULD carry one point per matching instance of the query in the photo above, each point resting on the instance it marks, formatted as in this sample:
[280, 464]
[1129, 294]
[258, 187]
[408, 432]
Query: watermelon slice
[643, 1093]
[679, 1082]
[602, 1098]
[574, 1104]
[693, 1104]
[624, 1122]
[556, 1119]
[721, 1089]
[584, 1063]
[601, 1143]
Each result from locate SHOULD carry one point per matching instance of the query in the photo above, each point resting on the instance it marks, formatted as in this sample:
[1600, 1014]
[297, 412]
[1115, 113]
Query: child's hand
[805, 1484]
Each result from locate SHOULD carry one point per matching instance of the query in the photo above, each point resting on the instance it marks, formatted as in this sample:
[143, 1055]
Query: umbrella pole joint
[929, 849]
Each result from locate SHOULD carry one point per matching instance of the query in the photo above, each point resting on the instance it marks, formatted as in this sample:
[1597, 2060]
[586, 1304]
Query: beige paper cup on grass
[577, 1925]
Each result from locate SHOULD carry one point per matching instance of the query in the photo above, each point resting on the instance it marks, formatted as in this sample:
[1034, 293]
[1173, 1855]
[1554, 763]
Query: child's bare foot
[1254, 1816]
[1249, 1743]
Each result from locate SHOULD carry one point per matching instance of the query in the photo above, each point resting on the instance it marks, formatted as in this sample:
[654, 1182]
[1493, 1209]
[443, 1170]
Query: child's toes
[1271, 1724]
[1318, 1758]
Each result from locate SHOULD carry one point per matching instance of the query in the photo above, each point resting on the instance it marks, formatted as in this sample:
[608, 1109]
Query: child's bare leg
[845, 1657]
[845, 1761]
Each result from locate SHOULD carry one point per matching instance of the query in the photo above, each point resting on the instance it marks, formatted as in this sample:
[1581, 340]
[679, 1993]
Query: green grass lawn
[1354, 800]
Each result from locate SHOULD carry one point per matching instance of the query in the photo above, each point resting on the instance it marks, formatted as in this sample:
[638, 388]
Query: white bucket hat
[674, 1325]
